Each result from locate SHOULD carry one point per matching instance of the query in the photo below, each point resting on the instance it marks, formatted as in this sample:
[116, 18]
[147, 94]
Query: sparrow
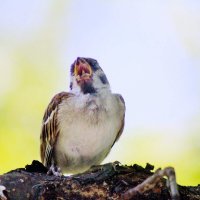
[81, 126]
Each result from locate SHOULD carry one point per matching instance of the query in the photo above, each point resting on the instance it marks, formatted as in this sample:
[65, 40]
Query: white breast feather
[88, 127]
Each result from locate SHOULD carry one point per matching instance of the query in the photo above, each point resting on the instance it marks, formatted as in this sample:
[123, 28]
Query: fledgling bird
[80, 127]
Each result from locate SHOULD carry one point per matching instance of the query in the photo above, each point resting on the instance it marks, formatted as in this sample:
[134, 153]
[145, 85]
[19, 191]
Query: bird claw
[115, 164]
[54, 170]
[108, 167]
[98, 172]
[106, 170]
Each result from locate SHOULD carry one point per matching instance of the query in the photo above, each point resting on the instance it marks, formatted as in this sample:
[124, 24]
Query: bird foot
[54, 170]
[98, 173]
[108, 167]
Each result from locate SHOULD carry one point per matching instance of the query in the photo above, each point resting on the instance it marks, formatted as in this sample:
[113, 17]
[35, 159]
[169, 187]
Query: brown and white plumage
[50, 128]
[80, 127]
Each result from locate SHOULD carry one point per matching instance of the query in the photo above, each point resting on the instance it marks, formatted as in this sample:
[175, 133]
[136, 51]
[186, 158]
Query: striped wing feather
[50, 129]
[123, 119]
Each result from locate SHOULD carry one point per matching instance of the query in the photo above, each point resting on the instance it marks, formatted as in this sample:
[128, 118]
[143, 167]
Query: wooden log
[110, 181]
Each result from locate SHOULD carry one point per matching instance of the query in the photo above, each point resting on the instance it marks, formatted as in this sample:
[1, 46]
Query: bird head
[87, 76]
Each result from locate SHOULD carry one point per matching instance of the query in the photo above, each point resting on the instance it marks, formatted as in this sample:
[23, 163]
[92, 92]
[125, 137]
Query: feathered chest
[87, 108]
[88, 124]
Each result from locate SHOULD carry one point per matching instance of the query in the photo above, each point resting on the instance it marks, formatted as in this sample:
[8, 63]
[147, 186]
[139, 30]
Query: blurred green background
[150, 52]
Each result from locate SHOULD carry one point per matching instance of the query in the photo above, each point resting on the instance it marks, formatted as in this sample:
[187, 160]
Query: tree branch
[109, 181]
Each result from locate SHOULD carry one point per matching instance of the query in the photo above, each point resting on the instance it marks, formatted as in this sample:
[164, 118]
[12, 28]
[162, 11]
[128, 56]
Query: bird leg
[152, 181]
[54, 170]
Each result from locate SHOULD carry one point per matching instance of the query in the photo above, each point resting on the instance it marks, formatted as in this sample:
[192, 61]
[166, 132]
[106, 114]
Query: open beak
[82, 70]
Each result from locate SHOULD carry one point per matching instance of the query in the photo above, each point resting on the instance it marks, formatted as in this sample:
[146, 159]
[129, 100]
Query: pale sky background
[148, 49]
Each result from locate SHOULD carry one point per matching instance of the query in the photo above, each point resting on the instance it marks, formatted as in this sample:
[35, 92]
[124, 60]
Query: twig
[2, 196]
[152, 181]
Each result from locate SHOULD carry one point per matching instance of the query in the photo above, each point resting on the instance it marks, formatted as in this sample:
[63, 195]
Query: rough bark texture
[109, 181]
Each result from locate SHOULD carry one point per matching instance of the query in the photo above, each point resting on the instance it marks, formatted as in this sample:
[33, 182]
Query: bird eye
[93, 63]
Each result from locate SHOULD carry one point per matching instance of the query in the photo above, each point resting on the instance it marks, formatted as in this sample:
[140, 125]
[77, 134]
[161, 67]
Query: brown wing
[123, 107]
[50, 129]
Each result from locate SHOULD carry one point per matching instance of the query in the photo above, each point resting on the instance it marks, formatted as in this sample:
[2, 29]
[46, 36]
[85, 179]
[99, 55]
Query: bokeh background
[150, 51]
